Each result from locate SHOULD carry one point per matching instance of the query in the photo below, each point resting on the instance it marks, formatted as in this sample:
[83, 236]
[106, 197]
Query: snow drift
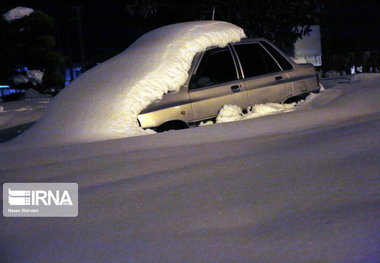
[105, 101]
[34, 76]
[301, 186]
[17, 13]
[19, 112]
[235, 113]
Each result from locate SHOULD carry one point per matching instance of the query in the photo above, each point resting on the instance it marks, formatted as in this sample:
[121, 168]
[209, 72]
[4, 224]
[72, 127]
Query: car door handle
[279, 78]
[235, 88]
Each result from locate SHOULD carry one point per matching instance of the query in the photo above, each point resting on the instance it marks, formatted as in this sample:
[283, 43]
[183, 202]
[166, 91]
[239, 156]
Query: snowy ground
[16, 116]
[301, 186]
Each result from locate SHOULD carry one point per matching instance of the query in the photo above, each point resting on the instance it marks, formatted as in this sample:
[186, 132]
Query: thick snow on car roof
[104, 102]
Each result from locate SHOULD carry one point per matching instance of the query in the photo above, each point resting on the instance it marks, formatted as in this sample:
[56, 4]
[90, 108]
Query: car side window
[255, 60]
[217, 66]
[284, 63]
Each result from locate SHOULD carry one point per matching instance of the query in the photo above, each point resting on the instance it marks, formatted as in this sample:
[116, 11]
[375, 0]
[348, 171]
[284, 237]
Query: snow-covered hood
[104, 102]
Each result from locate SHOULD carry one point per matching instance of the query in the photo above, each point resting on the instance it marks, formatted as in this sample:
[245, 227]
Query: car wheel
[293, 99]
[173, 125]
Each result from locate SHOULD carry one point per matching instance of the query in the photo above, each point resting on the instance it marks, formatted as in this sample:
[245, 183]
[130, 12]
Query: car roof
[248, 39]
[243, 40]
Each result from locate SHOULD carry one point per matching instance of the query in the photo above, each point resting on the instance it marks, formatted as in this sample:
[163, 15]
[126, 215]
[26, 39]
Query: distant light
[72, 73]
[4, 86]
[24, 69]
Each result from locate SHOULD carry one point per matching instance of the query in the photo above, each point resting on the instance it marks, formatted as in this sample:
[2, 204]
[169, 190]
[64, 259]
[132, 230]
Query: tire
[293, 99]
[173, 125]
[297, 98]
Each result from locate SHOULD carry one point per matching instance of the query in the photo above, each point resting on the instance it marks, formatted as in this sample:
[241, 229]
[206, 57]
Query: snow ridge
[104, 102]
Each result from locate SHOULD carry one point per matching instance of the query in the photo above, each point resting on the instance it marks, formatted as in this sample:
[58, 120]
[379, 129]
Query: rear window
[255, 60]
[284, 63]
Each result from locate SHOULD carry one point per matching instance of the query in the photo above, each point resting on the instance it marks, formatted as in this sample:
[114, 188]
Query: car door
[303, 77]
[264, 79]
[215, 83]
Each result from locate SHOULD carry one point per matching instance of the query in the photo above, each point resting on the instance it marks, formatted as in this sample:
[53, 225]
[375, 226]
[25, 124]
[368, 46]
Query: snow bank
[229, 113]
[20, 79]
[34, 94]
[300, 187]
[104, 102]
[15, 113]
[17, 13]
[234, 113]
[202, 123]
[35, 76]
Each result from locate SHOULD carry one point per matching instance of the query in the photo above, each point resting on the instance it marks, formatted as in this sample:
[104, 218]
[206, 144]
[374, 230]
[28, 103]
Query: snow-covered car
[244, 73]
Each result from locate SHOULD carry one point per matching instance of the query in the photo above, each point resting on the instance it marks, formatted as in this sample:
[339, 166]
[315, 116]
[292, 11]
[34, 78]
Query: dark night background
[348, 28]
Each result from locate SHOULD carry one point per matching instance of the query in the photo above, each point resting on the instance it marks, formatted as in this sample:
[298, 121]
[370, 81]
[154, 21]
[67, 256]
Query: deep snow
[105, 101]
[35, 103]
[18, 116]
[235, 113]
[300, 186]
[19, 112]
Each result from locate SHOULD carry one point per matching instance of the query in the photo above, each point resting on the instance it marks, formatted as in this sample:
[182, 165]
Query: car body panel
[273, 87]
[304, 79]
[173, 106]
[208, 101]
[156, 118]
[267, 89]
[191, 104]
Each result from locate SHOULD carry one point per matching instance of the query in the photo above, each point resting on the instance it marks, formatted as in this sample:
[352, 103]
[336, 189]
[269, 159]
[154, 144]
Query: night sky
[108, 26]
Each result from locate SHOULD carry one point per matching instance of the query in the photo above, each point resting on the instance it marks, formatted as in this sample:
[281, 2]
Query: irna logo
[38, 197]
